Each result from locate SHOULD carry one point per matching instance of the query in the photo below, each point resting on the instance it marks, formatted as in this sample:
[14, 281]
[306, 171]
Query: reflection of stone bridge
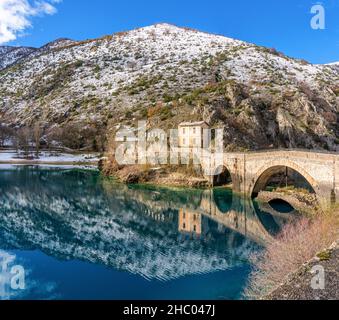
[240, 216]
[228, 210]
[250, 172]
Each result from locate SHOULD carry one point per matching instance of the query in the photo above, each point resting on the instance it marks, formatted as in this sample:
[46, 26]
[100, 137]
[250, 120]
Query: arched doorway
[222, 177]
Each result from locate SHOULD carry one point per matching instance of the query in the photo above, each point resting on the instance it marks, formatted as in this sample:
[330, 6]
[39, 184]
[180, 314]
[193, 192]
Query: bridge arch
[222, 176]
[265, 173]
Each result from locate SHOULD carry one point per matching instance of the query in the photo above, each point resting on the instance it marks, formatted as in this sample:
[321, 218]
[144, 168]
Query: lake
[77, 235]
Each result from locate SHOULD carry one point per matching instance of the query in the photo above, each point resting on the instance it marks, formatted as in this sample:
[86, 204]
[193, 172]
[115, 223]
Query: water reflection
[158, 234]
[10, 278]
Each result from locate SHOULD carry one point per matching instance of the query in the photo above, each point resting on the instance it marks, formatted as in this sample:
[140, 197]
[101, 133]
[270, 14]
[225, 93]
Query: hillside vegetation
[168, 74]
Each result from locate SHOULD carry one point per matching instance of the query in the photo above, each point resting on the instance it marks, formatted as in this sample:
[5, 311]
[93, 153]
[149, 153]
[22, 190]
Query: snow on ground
[47, 157]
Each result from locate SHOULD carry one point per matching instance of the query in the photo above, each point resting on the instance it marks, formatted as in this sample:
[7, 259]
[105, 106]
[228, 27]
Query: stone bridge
[251, 171]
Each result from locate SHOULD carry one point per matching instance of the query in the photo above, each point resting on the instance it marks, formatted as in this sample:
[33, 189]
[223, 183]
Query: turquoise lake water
[77, 235]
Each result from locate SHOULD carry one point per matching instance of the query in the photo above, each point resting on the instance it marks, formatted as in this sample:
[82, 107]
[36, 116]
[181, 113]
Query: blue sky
[282, 24]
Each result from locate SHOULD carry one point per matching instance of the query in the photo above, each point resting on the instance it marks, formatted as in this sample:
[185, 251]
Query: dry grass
[292, 190]
[298, 243]
[110, 166]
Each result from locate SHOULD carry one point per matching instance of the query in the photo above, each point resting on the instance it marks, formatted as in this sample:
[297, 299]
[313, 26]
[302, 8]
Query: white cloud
[15, 15]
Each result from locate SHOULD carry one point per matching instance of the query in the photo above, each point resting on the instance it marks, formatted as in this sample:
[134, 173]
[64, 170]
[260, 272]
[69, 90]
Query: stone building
[191, 135]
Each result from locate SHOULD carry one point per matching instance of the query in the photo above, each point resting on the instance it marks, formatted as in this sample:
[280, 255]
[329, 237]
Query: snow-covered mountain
[4, 49]
[9, 56]
[170, 74]
[12, 55]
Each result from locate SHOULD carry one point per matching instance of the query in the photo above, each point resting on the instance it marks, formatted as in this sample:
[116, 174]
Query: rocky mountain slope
[10, 55]
[169, 74]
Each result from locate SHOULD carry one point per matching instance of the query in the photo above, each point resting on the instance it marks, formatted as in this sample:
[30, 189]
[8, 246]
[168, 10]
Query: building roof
[193, 124]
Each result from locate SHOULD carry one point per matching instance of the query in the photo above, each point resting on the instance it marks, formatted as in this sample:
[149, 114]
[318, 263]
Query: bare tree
[6, 133]
[53, 135]
[23, 140]
[71, 136]
[37, 137]
[78, 136]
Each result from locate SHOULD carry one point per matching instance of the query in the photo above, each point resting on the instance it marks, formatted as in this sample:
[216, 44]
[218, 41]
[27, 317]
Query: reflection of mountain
[75, 215]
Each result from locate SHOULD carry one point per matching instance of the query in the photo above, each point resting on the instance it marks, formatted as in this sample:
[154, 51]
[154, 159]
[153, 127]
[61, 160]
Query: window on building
[184, 226]
[183, 130]
[195, 228]
[194, 130]
[183, 141]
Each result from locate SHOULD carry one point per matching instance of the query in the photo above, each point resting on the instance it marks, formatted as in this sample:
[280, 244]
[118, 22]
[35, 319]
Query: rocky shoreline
[303, 202]
[299, 284]
[165, 176]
